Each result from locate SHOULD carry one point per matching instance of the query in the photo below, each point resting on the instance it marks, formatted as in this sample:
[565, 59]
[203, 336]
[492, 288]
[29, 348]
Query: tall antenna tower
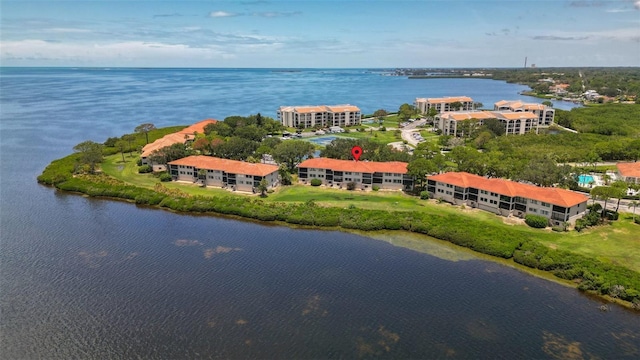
[525, 62]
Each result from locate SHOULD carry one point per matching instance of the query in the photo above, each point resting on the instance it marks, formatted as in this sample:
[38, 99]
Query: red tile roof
[197, 127]
[176, 137]
[229, 166]
[356, 166]
[631, 169]
[445, 100]
[304, 109]
[555, 196]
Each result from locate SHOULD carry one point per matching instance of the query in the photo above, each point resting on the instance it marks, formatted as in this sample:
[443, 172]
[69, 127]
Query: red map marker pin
[356, 151]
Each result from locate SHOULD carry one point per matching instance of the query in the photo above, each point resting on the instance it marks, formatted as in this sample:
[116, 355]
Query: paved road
[412, 128]
[624, 205]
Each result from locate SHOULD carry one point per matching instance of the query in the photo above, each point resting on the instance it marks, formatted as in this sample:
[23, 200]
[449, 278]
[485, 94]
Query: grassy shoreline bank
[513, 243]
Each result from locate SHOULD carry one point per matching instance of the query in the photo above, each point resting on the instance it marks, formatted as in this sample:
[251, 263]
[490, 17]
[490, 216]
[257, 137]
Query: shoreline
[174, 205]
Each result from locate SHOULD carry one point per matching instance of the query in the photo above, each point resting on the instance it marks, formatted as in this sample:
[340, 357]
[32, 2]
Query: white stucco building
[224, 173]
[323, 115]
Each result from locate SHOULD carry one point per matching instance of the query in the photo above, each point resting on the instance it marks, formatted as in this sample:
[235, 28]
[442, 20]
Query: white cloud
[220, 13]
[67, 30]
[110, 54]
[636, 5]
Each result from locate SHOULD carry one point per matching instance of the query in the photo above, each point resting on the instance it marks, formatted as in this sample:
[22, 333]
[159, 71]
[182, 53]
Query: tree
[380, 114]
[634, 203]
[251, 132]
[285, 175]
[406, 111]
[90, 154]
[494, 126]
[541, 170]
[236, 148]
[144, 129]
[477, 105]
[202, 144]
[168, 153]
[547, 103]
[603, 193]
[420, 168]
[483, 138]
[262, 187]
[468, 127]
[619, 191]
[220, 128]
[129, 138]
[593, 159]
[121, 145]
[292, 152]
[456, 105]
[467, 159]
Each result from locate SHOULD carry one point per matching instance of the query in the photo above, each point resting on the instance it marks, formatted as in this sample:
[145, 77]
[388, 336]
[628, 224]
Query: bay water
[94, 278]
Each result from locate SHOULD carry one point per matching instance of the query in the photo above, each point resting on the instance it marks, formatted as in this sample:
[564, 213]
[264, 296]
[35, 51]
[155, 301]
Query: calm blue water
[87, 278]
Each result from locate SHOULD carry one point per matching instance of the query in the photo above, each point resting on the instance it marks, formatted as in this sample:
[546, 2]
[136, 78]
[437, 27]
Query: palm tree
[634, 203]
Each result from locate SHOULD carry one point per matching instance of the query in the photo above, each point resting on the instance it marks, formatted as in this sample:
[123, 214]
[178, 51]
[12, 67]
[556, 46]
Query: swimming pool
[585, 180]
[325, 140]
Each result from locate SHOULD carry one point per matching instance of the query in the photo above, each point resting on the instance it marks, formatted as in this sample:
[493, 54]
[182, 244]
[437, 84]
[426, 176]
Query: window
[534, 201]
[449, 186]
[484, 192]
[545, 204]
[533, 210]
[544, 212]
[347, 173]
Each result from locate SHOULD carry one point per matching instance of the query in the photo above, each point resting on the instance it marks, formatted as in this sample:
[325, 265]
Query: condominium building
[365, 174]
[443, 104]
[322, 115]
[514, 122]
[505, 197]
[629, 172]
[232, 174]
[545, 113]
[182, 136]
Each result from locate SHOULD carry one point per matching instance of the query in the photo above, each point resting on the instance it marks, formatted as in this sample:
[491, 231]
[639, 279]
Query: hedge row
[491, 239]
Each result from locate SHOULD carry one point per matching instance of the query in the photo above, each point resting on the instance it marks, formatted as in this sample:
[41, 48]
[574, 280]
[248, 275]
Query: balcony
[559, 216]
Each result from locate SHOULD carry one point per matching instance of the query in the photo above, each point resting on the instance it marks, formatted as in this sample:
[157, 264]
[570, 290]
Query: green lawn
[618, 242]
[383, 137]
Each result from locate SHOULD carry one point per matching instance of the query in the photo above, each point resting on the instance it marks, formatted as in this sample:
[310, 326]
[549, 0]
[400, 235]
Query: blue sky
[355, 34]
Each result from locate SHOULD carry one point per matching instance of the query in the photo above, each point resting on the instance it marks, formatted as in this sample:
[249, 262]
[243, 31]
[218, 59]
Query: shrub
[351, 185]
[612, 215]
[375, 188]
[316, 182]
[144, 169]
[536, 221]
[139, 162]
[558, 228]
[424, 195]
[382, 128]
[164, 176]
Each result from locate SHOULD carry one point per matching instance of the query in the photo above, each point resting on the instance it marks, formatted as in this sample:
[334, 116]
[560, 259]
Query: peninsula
[114, 169]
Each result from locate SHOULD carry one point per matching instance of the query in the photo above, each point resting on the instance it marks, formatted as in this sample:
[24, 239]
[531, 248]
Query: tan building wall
[325, 116]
